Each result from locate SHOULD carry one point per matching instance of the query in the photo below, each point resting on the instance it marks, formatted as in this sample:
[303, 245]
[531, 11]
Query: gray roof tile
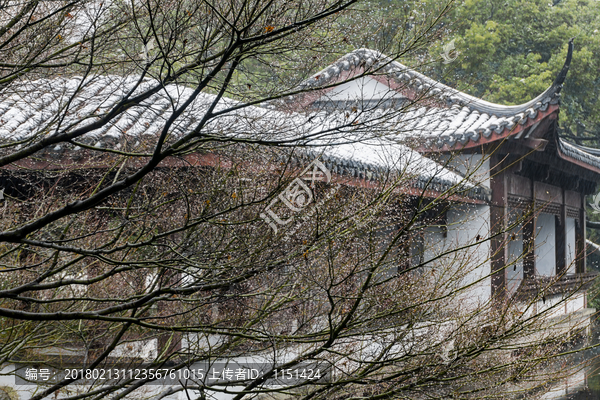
[583, 154]
[456, 117]
[30, 111]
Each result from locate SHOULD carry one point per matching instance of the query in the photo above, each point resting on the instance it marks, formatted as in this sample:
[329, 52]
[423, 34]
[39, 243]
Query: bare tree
[152, 224]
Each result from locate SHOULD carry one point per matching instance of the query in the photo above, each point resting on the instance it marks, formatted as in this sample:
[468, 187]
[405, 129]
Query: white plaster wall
[576, 303]
[6, 375]
[514, 270]
[365, 88]
[75, 290]
[197, 342]
[469, 225]
[477, 166]
[434, 244]
[417, 249]
[145, 349]
[567, 305]
[552, 301]
[572, 383]
[570, 244]
[545, 251]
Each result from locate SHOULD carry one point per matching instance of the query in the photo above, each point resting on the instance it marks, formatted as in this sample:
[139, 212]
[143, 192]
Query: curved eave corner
[576, 155]
[507, 128]
[476, 121]
[509, 121]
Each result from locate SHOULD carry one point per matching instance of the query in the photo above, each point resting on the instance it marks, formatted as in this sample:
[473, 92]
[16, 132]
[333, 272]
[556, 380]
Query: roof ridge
[373, 60]
[560, 78]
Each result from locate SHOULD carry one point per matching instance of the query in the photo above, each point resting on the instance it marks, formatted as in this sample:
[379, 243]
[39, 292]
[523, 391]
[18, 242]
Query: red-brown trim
[551, 113]
[213, 160]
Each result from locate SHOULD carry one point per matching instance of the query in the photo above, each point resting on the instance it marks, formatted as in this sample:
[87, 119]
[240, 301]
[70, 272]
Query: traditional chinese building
[535, 217]
[511, 190]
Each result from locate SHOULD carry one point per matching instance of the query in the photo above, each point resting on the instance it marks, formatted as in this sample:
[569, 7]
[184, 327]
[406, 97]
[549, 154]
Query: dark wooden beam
[498, 208]
[580, 244]
[535, 144]
[560, 241]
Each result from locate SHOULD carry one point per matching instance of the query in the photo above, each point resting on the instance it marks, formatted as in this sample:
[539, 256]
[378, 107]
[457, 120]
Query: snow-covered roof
[427, 113]
[407, 78]
[577, 154]
[442, 117]
[46, 110]
[365, 160]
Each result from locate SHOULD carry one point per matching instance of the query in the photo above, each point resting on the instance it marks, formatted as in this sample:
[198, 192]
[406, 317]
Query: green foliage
[511, 51]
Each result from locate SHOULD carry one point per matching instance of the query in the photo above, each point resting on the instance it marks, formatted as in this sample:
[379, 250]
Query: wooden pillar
[584, 236]
[580, 242]
[498, 211]
[560, 236]
[529, 244]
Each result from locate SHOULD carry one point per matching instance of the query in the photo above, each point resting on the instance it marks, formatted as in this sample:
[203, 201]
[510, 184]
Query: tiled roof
[35, 110]
[367, 160]
[579, 154]
[443, 117]
[435, 117]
